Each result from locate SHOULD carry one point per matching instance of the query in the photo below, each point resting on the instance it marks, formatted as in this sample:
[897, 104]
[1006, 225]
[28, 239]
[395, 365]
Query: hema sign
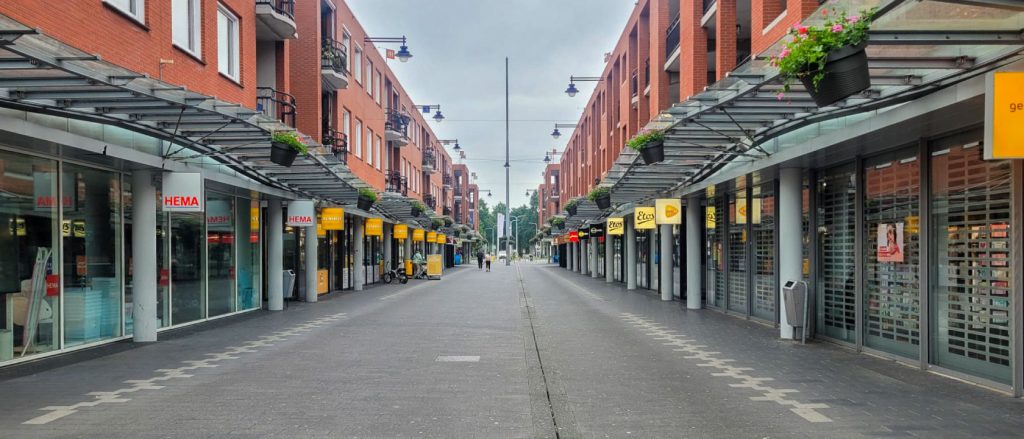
[301, 213]
[183, 192]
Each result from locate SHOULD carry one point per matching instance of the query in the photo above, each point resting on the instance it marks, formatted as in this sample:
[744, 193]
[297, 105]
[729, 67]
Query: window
[369, 78]
[133, 8]
[377, 152]
[346, 40]
[369, 152]
[227, 43]
[357, 142]
[357, 65]
[345, 123]
[376, 96]
[187, 33]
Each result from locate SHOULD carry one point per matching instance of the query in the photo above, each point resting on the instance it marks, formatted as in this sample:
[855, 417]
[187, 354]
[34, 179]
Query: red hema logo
[179, 201]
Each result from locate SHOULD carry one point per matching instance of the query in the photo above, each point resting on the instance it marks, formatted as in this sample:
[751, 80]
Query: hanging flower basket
[829, 59]
[602, 196]
[366, 199]
[650, 145]
[285, 147]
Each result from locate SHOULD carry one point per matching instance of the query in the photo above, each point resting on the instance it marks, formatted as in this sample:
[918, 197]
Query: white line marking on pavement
[60, 411]
[808, 411]
[458, 358]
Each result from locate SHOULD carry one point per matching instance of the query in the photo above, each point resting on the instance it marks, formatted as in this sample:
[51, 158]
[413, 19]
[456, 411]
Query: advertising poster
[890, 242]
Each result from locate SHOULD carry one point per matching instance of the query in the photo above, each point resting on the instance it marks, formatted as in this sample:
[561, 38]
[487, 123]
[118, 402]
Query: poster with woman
[890, 242]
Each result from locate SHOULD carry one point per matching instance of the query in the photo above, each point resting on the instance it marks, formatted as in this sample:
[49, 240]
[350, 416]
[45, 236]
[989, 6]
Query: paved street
[526, 351]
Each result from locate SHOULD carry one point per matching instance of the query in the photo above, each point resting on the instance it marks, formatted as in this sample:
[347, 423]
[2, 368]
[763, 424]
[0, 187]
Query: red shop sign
[52, 285]
[165, 277]
[574, 237]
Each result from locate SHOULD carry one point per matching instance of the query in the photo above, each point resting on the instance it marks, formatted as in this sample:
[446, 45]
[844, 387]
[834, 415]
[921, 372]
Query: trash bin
[795, 295]
[289, 284]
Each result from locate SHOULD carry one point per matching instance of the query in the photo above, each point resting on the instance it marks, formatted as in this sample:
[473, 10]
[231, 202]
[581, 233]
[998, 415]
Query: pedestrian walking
[487, 262]
[480, 259]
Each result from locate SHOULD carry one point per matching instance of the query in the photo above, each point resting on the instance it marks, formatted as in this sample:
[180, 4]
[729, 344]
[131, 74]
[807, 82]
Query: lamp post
[403, 53]
[451, 141]
[438, 117]
[572, 90]
[556, 133]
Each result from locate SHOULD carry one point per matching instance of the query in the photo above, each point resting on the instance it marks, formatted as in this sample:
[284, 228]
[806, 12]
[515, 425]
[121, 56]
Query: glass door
[737, 239]
[715, 226]
[836, 219]
[891, 297]
[763, 234]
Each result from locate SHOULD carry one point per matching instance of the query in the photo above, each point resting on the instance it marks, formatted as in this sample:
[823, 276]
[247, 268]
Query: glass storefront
[188, 302]
[220, 250]
[971, 290]
[715, 227]
[836, 220]
[762, 219]
[737, 239]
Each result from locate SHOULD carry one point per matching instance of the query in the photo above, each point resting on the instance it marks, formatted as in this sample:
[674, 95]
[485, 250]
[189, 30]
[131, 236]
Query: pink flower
[852, 19]
[784, 53]
[837, 28]
[780, 96]
[800, 29]
[824, 12]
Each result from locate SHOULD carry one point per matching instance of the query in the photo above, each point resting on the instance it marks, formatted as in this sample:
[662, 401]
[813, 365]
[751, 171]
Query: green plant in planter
[291, 139]
[368, 194]
[807, 52]
[558, 221]
[644, 140]
[418, 206]
[598, 192]
[437, 223]
[571, 204]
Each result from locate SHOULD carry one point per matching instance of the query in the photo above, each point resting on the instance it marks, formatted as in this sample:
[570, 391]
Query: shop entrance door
[836, 219]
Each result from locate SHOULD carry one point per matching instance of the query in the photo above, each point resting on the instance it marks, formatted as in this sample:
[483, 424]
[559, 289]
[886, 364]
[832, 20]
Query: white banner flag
[501, 225]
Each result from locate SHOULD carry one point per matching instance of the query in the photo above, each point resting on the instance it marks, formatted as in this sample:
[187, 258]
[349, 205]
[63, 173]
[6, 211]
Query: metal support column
[584, 257]
[652, 253]
[358, 250]
[386, 243]
[408, 250]
[694, 222]
[275, 255]
[144, 257]
[665, 264]
[790, 240]
[630, 254]
[311, 262]
[593, 257]
[609, 257]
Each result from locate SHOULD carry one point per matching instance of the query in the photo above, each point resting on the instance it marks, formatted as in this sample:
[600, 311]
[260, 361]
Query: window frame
[357, 64]
[195, 28]
[369, 152]
[138, 15]
[358, 141]
[234, 51]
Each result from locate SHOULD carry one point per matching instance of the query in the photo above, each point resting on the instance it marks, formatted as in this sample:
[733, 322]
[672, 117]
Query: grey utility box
[289, 284]
[795, 294]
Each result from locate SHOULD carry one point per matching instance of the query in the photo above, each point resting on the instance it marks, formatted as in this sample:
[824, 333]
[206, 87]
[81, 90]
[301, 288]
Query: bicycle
[391, 274]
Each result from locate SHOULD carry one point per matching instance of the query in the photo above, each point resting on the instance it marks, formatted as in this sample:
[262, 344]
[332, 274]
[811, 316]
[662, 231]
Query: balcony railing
[672, 37]
[336, 142]
[286, 7]
[429, 159]
[397, 183]
[430, 201]
[276, 104]
[398, 122]
[334, 55]
[447, 180]
[447, 210]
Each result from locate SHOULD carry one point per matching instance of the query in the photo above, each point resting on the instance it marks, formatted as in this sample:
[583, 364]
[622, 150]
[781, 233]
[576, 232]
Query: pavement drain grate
[457, 358]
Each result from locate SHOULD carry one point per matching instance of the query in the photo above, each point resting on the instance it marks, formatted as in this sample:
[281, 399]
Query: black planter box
[846, 74]
[415, 212]
[365, 203]
[282, 154]
[571, 210]
[653, 153]
[604, 202]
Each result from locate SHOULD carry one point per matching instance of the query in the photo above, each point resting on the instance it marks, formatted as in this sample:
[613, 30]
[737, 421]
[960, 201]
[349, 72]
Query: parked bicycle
[391, 274]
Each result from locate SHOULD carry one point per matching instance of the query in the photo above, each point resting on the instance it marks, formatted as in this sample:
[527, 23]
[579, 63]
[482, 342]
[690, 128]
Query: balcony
[429, 162]
[672, 38]
[458, 193]
[396, 128]
[397, 183]
[554, 195]
[447, 180]
[333, 64]
[447, 211]
[634, 87]
[275, 20]
[276, 104]
[336, 142]
[430, 201]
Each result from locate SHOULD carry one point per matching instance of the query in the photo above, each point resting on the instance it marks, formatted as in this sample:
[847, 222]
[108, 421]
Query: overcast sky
[459, 49]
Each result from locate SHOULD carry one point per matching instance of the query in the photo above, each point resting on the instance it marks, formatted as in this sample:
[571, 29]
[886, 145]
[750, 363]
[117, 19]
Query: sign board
[597, 230]
[709, 217]
[668, 211]
[889, 242]
[333, 218]
[322, 281]
[442, 238]
[301, 213]
[417, 235]
[643, 218]
[615, 226]
[574, 237]
[583, 233]
[431, 236]
[254, 219]
[374, 227]
[401, 231]
[183, 192]
[1004, 116]
[434, 266]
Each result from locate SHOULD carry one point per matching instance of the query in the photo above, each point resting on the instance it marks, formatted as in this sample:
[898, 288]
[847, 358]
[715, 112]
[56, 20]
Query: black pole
[508, 208]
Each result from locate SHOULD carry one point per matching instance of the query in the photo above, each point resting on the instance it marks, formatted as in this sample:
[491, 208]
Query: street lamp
[548, 155]
[438, 117]
[449, 142]
[556, 133]
[403, 53]
[572, 90]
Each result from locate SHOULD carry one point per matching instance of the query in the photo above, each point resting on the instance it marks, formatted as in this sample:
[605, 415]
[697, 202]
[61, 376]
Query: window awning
[915, 48]
[42, 75]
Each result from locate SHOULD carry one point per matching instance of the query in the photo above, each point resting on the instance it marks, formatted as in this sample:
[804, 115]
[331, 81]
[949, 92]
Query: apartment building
[137, 188]
[771, 193]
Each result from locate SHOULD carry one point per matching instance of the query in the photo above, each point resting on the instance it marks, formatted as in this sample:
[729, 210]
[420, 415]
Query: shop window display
[220, 254]
[29, 282]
